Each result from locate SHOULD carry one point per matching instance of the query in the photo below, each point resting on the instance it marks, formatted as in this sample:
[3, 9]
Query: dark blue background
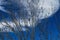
[48, 29]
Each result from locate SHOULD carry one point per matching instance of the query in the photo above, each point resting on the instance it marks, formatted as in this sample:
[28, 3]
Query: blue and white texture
[25, 14]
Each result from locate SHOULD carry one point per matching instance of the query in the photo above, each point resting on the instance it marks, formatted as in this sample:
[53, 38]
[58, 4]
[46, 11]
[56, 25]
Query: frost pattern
[25, 14]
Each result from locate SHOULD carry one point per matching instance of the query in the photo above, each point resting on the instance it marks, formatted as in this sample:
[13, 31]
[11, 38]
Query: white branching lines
[9, 25]
[33, 11]
[47, 8]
